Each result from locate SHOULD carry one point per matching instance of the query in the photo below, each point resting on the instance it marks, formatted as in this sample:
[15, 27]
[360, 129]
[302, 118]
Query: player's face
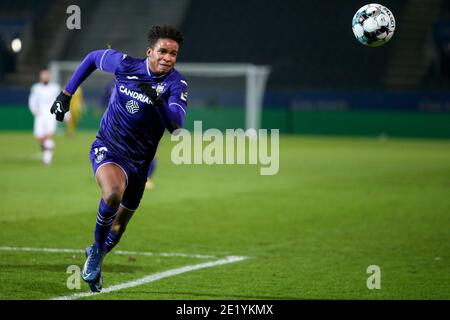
[44, 76]
[163, 56]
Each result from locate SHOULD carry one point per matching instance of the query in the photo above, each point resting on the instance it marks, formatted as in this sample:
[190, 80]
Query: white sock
[47, 156]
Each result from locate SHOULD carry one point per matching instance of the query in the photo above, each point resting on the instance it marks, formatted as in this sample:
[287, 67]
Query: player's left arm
[177, 106]
[171, 109]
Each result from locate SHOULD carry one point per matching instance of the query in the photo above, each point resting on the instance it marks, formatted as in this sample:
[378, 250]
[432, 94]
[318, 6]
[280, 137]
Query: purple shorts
[135, 185]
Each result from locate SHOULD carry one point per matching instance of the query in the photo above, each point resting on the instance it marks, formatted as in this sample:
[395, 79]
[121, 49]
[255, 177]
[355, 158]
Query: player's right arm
[105, 60]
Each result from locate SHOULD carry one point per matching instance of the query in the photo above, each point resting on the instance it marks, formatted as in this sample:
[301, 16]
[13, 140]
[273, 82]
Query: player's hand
[61, 106]
[149, 91]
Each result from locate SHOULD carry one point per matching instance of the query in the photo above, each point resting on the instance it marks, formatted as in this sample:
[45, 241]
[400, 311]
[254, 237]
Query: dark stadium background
[322, 81]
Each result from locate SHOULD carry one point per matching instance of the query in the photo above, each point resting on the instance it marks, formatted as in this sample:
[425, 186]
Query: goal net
[217, 89]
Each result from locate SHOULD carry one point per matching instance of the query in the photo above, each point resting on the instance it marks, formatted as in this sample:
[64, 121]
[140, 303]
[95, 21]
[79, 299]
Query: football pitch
[337, 206]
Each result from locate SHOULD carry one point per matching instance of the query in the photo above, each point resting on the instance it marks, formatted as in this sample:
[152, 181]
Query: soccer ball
[373, 25]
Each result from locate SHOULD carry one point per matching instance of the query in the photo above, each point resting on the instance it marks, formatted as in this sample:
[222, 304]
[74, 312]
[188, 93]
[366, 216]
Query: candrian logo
[133, 94]
[132, 106]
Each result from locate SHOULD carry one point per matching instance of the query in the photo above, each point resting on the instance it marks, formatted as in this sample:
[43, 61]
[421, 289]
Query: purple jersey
[131, 126]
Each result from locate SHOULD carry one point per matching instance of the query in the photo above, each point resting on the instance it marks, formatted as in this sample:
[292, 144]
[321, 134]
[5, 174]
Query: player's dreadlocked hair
[161, 32]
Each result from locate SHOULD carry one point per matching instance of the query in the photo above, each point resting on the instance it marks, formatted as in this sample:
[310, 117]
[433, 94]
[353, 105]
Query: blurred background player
[76, 109]
[150, 184]
[41, 98]
[106, 96]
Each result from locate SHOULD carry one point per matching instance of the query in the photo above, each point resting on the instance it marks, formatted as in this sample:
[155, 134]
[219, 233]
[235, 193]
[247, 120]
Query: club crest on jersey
[100, 154]
[160, 87]
[132, 106]
[184, 94]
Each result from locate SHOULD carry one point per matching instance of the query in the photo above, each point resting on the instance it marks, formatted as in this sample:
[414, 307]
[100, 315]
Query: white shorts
[44, 126]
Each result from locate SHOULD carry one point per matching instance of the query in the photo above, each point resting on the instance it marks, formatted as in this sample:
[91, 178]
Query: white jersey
[42, 97]
[40, 101]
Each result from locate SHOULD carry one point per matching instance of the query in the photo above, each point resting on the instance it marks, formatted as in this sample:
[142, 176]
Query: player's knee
[113, 196]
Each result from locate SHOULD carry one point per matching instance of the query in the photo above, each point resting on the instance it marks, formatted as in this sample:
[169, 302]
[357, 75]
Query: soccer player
[149, 96]
[41, 97]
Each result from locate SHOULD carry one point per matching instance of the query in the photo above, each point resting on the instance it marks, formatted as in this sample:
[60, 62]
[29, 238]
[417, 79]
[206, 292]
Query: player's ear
[149, 51]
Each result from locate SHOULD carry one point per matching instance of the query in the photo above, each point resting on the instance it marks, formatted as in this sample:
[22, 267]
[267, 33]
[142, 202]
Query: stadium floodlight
[255, 76]
[16, 45]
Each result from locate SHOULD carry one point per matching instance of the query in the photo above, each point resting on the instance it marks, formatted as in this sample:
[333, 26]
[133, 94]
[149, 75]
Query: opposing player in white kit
[41, 98]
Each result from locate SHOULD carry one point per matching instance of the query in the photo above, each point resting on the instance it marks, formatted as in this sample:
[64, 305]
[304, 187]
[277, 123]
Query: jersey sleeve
[110, 60]
[173, 112]
[179, 95]
[105, 60]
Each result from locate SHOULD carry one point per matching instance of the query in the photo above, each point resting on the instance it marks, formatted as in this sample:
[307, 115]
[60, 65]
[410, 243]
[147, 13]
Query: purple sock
[112, 240]
[105, 218]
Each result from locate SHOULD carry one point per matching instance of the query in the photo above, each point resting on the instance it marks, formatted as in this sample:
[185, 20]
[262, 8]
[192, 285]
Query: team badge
[160, 87]
[100, 154]
[184, 94]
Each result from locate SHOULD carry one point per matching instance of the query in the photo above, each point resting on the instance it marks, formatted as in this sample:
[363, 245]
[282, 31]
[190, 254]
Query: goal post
[254, 84]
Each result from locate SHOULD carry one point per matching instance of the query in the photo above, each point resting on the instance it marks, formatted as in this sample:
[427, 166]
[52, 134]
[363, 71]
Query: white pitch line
[163, 254]
[154, 277]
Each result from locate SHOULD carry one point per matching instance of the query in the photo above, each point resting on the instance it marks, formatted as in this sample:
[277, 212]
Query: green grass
[336, 206]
